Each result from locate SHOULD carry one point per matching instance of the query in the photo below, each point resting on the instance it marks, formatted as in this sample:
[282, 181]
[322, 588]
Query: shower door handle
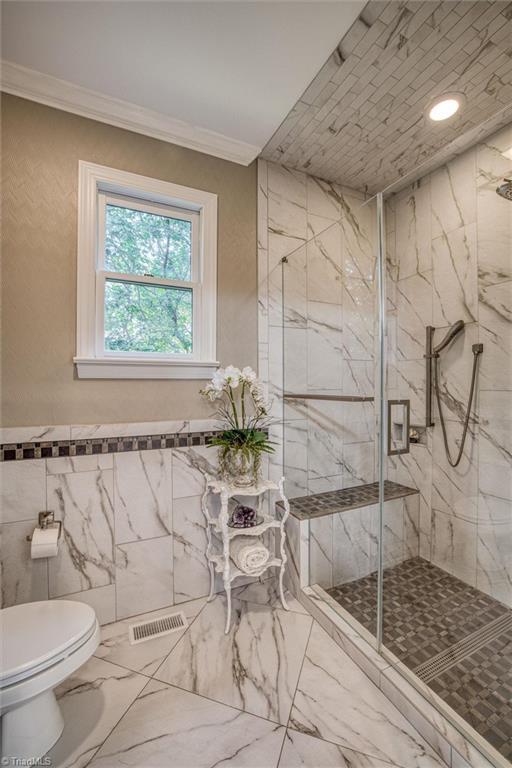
[399, 422]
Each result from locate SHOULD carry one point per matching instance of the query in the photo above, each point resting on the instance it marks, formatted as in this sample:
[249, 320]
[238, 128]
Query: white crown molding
[61, 94]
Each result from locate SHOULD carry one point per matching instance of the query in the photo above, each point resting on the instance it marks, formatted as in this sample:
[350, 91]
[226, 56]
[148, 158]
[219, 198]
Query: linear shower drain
[164, 625]
[469, 645]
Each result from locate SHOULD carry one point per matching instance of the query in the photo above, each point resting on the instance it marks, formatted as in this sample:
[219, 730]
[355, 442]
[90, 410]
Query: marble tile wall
[343, 547]
[134, 538]
[449, 248]
[317, 335]
[317, 325]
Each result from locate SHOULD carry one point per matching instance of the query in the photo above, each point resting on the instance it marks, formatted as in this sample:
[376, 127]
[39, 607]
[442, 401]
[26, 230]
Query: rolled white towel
[249, 554]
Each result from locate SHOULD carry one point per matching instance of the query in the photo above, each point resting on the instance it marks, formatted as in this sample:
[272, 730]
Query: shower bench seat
[332, 502]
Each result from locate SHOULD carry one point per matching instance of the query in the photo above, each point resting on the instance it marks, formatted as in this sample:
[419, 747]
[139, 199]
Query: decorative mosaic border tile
[57, 448]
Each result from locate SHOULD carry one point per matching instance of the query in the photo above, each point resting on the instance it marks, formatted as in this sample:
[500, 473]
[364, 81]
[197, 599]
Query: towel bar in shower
[339, 398]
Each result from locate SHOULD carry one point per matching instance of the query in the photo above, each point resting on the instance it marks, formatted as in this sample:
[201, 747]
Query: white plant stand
[222, 563]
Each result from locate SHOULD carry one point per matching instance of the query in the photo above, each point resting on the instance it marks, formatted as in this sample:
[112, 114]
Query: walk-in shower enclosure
[415, 554]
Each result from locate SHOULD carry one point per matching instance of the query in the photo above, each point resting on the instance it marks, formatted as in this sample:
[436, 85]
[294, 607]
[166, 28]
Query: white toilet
[41, 644]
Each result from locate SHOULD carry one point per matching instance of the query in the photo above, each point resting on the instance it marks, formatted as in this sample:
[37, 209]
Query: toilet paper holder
[46, 520]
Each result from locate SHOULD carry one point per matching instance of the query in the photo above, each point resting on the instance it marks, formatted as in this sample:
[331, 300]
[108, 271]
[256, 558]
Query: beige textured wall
[41, 148]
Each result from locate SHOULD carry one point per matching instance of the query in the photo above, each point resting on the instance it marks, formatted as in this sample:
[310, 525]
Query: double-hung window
[146, 277]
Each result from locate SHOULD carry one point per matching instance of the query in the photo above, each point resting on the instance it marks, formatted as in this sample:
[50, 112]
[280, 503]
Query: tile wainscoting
[134, 537]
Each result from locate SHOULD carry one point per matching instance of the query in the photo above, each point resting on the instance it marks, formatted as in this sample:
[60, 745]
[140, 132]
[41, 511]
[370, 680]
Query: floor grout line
[352, 749]
[221, 703]
[357, 751]
[179, 688]
[122, 716]
[123, 666]
[149, 680]
[282, 746]
[217, 701]
[139, 672]
[313, 622]
[181, 638]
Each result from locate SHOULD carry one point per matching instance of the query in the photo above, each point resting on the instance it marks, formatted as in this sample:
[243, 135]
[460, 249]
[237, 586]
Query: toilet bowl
[41, 645]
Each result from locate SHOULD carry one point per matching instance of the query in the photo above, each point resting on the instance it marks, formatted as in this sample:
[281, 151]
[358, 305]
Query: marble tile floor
[456, 638]
[275, 691]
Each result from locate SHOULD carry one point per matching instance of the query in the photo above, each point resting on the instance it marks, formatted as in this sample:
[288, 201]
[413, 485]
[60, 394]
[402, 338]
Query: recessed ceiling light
[445, 107]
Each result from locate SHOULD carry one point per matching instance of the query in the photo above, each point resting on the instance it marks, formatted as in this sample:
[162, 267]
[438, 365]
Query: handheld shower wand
[452, 332]
[432, 354]
[505, 189]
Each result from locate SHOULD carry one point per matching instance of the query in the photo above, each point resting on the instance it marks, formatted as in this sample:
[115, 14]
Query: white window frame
[102, 275]
[97, 185]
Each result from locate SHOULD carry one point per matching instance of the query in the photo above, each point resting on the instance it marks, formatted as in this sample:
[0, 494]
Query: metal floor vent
[456, 653]
[164, 625]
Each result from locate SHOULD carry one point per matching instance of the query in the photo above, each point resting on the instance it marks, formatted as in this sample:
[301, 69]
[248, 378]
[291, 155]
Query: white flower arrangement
[241, 404]
[224, 381]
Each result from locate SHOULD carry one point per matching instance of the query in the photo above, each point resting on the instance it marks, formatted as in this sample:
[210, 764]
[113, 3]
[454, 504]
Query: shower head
[450, 335]
[505, 190]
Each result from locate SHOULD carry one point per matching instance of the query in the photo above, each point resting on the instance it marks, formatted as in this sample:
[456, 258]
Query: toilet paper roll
[45, 542]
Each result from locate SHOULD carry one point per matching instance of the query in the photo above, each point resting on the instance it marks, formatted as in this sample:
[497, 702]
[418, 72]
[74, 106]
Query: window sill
[137, 368]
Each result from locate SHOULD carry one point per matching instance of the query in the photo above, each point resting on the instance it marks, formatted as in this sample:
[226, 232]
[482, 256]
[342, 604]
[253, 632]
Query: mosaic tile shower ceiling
[456, 638]
[361, 121]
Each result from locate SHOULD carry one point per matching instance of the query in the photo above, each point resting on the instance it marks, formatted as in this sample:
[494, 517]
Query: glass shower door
[446, 540]
[329, 327]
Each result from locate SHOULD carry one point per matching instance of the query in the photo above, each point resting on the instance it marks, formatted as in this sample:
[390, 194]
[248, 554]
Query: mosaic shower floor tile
[456, 638]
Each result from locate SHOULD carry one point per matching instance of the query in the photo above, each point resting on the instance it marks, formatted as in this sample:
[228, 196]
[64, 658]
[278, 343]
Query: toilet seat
[42, 644]
[36, 636]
